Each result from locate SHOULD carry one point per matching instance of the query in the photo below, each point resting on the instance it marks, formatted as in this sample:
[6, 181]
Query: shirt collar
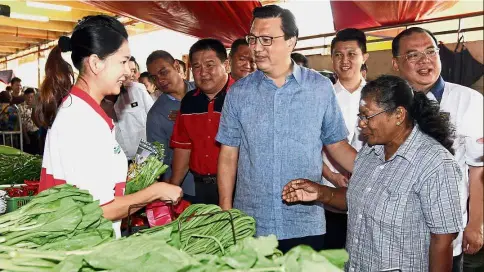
[230, 82]
[411, 144]
[296, 73]
[339, 87]
[438, 89]
[91, 102]
[188, 88]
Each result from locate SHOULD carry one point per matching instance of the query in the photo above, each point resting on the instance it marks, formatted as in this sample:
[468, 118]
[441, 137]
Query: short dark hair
[364, 67]
[288, 25]
[408, 32]
[160, 54]
[350, 34]
[236, 44]
[8, 88]
[15, 80]
[209, 44]
[135, 62]
[29, 91]
[147, 75]
[300, 58]
[390, 92]
[183, 64]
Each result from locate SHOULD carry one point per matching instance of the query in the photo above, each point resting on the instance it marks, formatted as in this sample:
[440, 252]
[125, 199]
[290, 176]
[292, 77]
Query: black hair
[209, 44]
[364, 67]
[288, 25]
[350, 34]
[182, 64]
[408, 32]
[101, 35]
[135, 62]
[390, 92]
[236, 44]
[147, 75]
[8, 88]
[15, 80]
[160, 54]
[29, 91]
[300, 58]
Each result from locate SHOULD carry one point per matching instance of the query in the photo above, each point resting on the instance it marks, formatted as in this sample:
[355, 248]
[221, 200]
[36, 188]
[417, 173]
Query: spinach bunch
[61, 218]
[17, 166]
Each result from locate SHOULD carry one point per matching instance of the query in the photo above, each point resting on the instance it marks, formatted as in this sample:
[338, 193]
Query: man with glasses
[348, 54]
[416, 58]
[274, 124]
[164, 71]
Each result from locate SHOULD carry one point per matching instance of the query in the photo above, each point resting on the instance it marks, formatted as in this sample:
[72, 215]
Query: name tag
[134, 104]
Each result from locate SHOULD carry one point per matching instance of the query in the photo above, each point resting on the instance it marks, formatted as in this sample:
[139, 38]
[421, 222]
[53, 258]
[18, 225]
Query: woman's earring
[398, 123]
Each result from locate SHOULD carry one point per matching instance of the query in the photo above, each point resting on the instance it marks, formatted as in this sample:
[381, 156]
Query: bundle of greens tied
[206, 229]
[60, 218]
[152, 253]
[144, 174]
[17, 166]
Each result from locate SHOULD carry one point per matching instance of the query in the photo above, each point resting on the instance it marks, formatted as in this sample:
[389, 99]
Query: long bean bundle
[206, 229]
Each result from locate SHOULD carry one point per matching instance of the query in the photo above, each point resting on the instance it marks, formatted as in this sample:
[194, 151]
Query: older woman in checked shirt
[403, 198]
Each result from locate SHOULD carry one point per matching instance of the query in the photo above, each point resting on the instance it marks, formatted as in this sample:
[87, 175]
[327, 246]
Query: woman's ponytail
[432, 121]
[58, 81]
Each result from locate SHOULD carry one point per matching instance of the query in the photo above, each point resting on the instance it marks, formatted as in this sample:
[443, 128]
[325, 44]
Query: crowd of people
[390, 169]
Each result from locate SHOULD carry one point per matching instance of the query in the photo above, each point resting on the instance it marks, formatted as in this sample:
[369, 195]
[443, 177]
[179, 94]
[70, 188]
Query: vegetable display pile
[61, 218]
[146, 173]
[151, 253]
[17, 166]
[210, 234]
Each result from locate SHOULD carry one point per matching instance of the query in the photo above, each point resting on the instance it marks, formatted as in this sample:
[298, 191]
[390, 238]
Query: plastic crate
[15, 203]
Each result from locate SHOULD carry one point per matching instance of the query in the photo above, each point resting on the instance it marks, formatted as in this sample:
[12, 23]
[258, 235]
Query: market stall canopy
[223, 20]
[29, 24]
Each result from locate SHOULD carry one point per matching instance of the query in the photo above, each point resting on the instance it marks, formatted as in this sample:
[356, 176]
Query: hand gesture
[300, 190]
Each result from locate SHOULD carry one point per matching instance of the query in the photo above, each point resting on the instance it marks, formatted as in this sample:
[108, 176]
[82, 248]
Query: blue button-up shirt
[280, 133]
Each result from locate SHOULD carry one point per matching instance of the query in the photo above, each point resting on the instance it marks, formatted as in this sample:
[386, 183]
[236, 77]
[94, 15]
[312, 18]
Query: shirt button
[368, 189]
[360, 216]
[210, 120]
[382, 166]
[352, 269]
[356, 240]
[206, 156]
[208, 137]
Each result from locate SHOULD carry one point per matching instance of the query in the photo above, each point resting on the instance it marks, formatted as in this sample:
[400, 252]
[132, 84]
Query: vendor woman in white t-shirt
[80, 147]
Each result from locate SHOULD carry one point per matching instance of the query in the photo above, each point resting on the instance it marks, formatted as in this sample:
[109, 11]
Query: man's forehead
[265, 26]
[416, 41]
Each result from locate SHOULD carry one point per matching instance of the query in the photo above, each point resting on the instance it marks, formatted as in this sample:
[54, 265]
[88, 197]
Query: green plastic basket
[15, 203]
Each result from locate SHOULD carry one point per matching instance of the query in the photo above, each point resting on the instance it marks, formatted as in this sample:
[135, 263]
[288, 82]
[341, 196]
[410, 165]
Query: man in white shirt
[131, 110]
[348, 54]
[416, 58]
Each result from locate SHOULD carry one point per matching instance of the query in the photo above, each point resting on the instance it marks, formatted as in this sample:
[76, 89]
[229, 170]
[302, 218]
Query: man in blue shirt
[165, 71]
[274, 124]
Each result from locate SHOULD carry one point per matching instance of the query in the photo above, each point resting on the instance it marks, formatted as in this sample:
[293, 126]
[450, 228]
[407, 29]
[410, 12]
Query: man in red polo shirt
[196, 126]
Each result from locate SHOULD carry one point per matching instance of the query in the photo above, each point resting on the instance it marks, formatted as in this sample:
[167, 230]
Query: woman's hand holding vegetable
[166, 191]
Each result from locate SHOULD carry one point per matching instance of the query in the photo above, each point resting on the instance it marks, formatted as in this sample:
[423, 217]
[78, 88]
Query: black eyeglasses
[264, 40]
[365, 119]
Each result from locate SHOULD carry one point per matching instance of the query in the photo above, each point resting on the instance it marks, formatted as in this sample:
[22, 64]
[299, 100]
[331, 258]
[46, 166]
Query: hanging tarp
[223, 20]
[369, 14]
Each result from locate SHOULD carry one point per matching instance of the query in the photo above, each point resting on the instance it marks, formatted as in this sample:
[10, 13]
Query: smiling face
[380, 129]
[347, 60]
[242, 62]
[425, 71]
[115, 70]
[209, 72]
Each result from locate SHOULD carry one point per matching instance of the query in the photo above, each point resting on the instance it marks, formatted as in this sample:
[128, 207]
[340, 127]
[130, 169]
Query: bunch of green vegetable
[206, 229]
[144, 174]
[17, 166]
[61, 218]
[151, 253]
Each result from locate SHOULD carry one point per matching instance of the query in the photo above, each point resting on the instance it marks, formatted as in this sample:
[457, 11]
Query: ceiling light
[48, 6]
[29, 17]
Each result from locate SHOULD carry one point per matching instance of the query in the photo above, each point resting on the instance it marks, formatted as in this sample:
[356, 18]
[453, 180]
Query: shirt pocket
[390, 209]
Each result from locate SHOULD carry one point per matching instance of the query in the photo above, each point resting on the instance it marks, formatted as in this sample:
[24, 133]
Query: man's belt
[209, 179]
